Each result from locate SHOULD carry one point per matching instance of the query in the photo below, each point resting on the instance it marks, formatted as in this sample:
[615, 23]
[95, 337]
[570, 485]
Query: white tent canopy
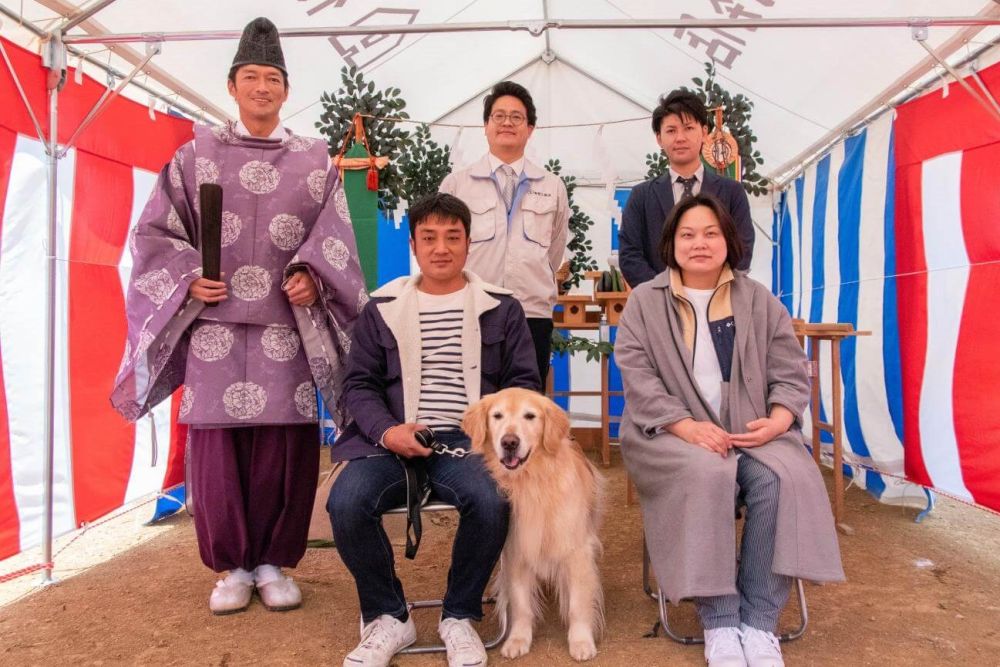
[804, 81]
[814, 71]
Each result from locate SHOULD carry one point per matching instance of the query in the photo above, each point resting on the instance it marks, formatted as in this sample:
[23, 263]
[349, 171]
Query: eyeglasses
[499, 117]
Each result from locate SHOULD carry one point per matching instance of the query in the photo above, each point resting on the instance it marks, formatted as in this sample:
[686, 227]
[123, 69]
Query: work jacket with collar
[521, 251]
[382, 381]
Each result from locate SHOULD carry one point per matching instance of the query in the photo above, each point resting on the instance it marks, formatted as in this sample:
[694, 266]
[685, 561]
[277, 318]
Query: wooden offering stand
[583, 311]
[834, 333]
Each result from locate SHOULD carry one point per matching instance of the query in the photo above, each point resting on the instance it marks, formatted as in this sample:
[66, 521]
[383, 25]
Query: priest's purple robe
[254, 359]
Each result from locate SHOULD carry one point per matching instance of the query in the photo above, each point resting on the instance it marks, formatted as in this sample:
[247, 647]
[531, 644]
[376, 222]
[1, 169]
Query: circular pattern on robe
[231, 228]
[335, 252]
[187, 401]
[345, 341]
[131, 239]
[280, 343]
[251, 283]
[211, 342]
[286, 231]
[244, 400]
[157, 285]
[305, 400]
[179, 246]
[298, 144]
[146, 339]
[340, 204]
[163, 354]
[174, 172]
[316, 182]
[175, 225]
[224, 132]
[321, 370]
[259, 177]
[131, 411]
[205, 171]
[362, 299]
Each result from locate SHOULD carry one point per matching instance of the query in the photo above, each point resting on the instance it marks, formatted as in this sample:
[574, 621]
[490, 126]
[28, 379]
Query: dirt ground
[918, 594]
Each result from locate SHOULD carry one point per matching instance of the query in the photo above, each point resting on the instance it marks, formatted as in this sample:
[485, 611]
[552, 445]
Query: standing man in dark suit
[680, 125]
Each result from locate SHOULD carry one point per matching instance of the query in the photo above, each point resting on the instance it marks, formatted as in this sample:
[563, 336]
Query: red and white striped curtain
[101, 462]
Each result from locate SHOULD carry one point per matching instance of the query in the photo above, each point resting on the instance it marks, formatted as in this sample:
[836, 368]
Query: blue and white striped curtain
[835, 262]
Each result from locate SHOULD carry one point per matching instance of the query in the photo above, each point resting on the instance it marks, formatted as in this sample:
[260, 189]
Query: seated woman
[715, 385]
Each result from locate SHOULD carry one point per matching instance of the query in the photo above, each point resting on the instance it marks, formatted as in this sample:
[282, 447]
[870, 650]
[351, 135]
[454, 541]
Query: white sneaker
[761, 648]
[276, 591]
[380, 641]
[231, 594]
[465, 648]
[723, 648]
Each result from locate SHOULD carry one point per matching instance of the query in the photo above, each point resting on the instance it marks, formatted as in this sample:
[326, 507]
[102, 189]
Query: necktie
[507, 185]
[688, 184]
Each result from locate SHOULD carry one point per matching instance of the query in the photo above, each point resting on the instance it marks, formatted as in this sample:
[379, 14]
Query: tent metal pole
[955, 74]
[107, 97]
[189, 111]
[986, 91]
[784, 174]
[83, 14]
[539, 27]
[199, 104]
[56, 64]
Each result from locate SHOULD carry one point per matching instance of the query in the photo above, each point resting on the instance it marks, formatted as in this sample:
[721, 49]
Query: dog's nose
[510, 442]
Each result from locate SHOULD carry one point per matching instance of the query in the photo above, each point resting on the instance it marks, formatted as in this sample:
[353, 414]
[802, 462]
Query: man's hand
[762, 431]
[301, 289]
[208, 291]
[702, 434]
[399, 440]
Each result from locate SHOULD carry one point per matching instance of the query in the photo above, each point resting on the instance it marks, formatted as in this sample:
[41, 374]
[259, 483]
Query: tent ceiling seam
[538, 28]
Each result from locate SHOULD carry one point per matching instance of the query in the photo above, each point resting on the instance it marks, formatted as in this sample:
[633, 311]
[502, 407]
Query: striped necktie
[507, 185]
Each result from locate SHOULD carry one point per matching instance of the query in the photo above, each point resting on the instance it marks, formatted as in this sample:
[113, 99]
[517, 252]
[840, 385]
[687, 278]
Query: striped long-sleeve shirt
[442, 386]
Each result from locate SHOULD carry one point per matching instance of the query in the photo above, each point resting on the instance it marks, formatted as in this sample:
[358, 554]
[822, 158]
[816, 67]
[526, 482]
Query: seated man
[472, 340]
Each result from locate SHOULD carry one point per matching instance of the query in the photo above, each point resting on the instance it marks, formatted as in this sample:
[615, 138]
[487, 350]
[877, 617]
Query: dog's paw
[582, 649]
[515, 647]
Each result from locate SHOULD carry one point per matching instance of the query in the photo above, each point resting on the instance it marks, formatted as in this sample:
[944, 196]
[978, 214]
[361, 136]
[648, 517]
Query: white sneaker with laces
[761, 648]
[465, 648]
[231, 594]
[723, 648]
[380, 641]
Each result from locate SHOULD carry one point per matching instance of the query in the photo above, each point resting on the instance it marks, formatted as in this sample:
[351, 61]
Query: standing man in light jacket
[520, 214]
[680, 125]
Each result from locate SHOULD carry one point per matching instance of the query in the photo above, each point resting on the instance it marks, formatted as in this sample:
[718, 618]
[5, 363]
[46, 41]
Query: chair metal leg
[783, 637]
[647, 585]
[663, 606]
[440, 648]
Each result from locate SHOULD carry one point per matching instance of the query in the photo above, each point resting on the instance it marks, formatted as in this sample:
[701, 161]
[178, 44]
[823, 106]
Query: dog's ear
[556, 425]
[474, 424]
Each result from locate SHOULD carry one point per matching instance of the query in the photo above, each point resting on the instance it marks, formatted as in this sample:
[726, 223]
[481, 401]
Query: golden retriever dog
[556, 501]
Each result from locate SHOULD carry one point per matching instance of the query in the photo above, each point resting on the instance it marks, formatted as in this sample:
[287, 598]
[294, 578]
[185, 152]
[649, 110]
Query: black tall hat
[260, 45]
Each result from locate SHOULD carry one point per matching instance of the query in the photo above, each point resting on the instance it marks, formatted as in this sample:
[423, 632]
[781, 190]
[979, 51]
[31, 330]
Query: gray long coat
[686, 492]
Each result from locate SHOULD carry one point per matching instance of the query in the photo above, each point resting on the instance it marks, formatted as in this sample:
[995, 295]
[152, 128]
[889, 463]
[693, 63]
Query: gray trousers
[762, 594]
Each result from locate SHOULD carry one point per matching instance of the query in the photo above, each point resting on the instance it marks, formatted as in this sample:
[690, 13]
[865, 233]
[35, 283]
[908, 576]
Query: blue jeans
[370, 486]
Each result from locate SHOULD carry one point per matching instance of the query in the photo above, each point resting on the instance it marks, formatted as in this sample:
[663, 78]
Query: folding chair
[437, 506]
[664, 620]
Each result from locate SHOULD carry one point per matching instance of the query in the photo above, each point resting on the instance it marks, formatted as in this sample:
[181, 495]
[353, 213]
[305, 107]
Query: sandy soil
[919, 594]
